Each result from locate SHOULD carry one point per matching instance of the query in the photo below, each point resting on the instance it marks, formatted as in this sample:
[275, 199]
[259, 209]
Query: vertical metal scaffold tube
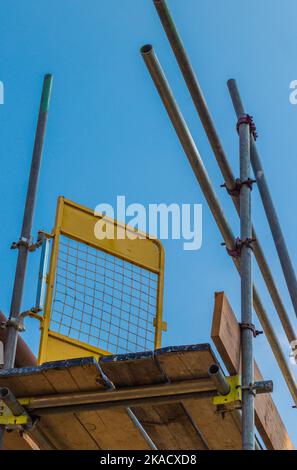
[23, 245]
[247, 360]
[200, 173]
[269, 208]
[218, 150]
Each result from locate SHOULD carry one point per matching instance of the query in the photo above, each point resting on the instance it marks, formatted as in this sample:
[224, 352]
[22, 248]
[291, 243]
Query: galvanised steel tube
[269, 208]
[247, 357]
[200, 172]
[130, 403]
[214, 140]
[219, 380]
[11, 402]
[186, 140]
[237, 416]
[142, 431]
[19, 281]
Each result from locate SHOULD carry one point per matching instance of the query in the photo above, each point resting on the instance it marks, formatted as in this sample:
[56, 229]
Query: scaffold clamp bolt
[250, 326]
[235, 252]
[235, 190]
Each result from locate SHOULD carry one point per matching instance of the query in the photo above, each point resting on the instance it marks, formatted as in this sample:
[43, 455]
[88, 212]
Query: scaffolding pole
[23, 245]
[220, 155]
[247, 359]
[273, 220]
[200, 173]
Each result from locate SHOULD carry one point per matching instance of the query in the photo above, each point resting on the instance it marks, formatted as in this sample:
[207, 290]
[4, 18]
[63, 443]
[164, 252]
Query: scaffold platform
[156, 399]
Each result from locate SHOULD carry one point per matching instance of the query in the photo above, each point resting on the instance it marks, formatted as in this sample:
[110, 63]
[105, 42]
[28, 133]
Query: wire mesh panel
[104, 296]
[103, 300]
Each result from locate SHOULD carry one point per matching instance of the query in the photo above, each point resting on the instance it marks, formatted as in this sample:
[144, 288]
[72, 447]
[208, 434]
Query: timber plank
[132, 369]
[67, 432]
[112, 429]
[220, 431]
[168, 425]
[217, 431]
[67, 429]
[226, 337]
[13, 441]
[185, 362]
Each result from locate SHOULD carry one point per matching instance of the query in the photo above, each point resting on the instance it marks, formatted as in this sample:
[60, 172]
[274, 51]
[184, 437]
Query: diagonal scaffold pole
[272, 217]
[245, 250]
[219, 153]
[203, 179]
[24, 244]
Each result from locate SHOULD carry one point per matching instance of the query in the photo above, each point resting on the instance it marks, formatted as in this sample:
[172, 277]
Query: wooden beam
[225, 334]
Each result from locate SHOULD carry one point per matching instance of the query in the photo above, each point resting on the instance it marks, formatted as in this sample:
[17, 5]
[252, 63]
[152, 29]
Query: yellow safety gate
[103, 296]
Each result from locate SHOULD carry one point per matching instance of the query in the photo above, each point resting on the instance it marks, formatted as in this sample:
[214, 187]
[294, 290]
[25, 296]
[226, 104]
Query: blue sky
[108, 134]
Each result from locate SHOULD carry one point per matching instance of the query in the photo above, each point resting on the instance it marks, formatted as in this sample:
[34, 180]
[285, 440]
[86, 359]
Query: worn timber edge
[226, 337]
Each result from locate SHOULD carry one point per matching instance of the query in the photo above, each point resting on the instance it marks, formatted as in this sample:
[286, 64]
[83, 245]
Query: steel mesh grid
[102, 300]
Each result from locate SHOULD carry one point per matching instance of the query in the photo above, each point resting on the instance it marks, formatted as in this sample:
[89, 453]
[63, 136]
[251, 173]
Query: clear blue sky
[109, 135]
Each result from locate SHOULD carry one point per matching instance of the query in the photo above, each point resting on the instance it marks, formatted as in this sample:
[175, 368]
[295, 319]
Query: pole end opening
[213, 369]
[4, 392]
[146, 49]
[231, 82]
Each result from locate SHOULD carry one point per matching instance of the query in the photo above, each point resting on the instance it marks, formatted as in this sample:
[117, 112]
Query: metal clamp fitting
[250, 326]
[28, 242]
[23, 241]
[7, 418]
[249, 388]
[12, 413]
[260, 387]
[234, 397]
[235, 191]
[247, 119]
[16, 323]
[235, 252]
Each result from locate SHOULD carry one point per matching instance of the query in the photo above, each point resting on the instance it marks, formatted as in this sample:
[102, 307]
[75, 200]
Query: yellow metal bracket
[35, 315]
[163, 325]
[233, 396]
[7, 418]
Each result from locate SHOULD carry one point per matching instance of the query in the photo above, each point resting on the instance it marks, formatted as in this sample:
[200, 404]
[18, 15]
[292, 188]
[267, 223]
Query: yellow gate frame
[77, 223]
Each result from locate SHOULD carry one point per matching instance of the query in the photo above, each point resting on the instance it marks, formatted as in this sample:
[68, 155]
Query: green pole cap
[46, 93]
